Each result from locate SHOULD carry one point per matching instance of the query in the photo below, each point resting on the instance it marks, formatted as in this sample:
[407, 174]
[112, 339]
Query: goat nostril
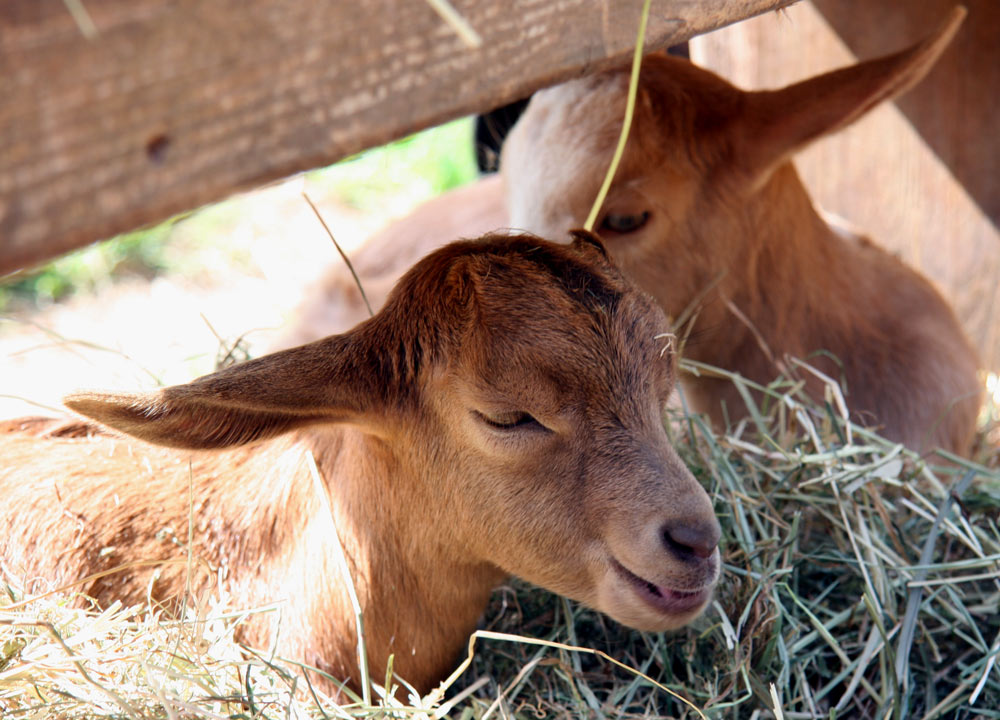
[686, 539]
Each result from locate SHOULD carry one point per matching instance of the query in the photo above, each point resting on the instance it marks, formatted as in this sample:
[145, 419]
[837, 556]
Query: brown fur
[731, 224]
[433, 505]
[732, 230]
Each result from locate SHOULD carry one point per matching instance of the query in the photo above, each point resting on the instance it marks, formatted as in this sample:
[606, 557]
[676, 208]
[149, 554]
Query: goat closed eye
[512, 420]
[624, 222]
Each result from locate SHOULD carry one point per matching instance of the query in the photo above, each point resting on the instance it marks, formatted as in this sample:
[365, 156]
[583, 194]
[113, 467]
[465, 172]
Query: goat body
[502, 414]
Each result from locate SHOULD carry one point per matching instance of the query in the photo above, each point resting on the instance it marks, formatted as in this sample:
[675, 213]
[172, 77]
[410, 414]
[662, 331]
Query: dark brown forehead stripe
[588, 283]
[507, 282]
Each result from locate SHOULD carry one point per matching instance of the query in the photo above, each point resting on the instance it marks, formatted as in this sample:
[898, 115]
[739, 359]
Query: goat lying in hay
[708, 215]
[501, 415]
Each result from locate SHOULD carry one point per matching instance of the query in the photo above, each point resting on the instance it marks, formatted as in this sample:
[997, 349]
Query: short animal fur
[707, 210]
[502, 414]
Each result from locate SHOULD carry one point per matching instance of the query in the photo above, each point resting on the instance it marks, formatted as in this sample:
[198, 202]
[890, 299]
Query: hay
[859, 581]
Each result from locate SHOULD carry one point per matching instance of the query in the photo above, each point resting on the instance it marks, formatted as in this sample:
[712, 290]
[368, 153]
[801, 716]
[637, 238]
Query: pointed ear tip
[927, 51]
[77, 397]
[94, 402]
[84, 402]
[949, 26]
[957, 14]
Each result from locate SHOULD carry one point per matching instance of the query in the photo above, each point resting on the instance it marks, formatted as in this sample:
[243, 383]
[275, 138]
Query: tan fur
[730, 224]
[733, 232]
[433, 505]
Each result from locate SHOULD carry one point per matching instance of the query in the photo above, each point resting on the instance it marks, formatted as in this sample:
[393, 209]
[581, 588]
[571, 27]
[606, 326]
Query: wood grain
[177, 103]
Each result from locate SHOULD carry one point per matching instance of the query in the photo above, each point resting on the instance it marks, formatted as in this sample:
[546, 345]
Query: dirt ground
[140, 333]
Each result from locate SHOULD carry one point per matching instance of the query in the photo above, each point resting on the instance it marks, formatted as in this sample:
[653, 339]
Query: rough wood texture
[922, 175]
[176, 103]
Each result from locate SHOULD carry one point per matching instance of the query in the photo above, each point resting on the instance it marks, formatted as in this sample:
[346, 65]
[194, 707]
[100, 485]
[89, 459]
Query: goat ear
[781, 122]
[325, 381]
[587, 241]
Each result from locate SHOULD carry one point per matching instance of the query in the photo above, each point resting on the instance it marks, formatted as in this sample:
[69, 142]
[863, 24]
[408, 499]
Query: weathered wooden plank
[176, 103]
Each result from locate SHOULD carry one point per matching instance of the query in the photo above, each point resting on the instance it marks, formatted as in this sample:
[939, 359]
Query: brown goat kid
[708, 214]
[501, 415]
[707, 210]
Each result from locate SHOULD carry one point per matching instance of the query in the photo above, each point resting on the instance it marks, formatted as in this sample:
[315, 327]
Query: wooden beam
[165, 105]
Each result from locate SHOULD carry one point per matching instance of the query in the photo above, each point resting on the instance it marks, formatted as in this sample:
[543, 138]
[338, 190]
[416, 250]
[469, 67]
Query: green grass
[859, 581]
[88, 270]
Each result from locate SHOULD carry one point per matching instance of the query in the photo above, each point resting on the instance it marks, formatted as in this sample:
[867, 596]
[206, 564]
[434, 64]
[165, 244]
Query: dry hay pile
[859, 582]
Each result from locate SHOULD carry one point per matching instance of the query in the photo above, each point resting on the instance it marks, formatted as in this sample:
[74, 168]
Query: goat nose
[686, 538]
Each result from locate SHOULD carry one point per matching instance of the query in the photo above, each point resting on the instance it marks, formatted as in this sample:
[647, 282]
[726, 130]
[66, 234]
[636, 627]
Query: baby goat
[501, 415]
[708, 214]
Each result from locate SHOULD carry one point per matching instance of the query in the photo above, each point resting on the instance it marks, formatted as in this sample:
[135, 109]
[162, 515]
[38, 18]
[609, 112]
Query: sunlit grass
[992, 406]
[405, 172]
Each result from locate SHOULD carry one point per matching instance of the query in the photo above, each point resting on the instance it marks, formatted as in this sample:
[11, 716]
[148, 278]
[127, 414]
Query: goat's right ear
[779, 123]
[331, 380]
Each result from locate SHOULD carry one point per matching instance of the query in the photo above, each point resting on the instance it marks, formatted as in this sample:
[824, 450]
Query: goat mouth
[666, 600]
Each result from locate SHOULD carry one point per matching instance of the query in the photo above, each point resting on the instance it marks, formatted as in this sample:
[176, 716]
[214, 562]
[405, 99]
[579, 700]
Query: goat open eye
[512, 420]
[624, 222]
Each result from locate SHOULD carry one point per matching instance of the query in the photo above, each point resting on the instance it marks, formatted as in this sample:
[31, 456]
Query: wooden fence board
[177, 103]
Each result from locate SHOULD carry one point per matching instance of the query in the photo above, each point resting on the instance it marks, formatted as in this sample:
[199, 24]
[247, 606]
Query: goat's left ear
[779, 123]
[589, 242]
[333, 380]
